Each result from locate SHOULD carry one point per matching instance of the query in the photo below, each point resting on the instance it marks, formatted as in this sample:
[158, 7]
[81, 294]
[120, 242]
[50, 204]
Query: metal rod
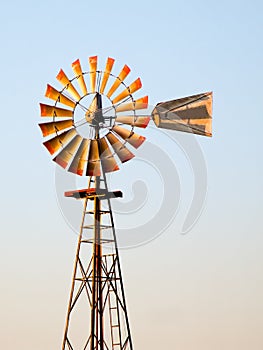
[97, 335]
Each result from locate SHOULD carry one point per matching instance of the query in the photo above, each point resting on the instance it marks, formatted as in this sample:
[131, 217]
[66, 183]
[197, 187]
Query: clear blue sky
[199, 291]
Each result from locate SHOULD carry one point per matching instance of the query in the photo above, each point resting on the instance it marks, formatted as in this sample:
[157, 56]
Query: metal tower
[99, 275]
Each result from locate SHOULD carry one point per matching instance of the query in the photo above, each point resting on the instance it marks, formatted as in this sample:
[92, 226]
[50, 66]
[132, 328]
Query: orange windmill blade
[76, 66]
[106, 74]
[64, 80]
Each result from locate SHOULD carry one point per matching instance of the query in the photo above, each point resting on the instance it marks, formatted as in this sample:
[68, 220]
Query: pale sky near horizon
[199, 291]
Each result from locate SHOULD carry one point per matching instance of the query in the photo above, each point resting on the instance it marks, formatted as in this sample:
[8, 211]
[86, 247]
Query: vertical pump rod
[97, 304]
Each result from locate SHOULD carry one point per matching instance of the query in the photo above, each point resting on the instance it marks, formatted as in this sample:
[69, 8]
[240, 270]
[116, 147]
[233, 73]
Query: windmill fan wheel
[92, 120]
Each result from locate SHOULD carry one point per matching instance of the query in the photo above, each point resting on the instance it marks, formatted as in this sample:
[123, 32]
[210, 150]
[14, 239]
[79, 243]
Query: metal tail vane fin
[191, 114]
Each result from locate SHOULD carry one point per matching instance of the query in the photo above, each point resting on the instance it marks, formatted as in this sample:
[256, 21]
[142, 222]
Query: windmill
[90, 129]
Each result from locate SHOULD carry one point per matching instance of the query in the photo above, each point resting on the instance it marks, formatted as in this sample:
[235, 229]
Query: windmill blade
[121, 150]
[54, 144]
[191, 114]
[108, 161]
[52, 127]
[93, 71]
[63, 158]
[57, 96]
[106, 74]
[80, 78]
[141, 103]
[139, 121]
[133, 139]
[93, 167]
[52, 111]
[135, 86]
[123, 74]
[64, 80]
[80, 159]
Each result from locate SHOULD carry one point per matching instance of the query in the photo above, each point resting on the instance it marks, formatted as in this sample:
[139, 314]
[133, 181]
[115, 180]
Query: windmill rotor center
[94, 111]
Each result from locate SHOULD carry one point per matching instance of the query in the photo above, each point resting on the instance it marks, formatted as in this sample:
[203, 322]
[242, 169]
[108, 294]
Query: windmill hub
[94, 114]
[88, 115]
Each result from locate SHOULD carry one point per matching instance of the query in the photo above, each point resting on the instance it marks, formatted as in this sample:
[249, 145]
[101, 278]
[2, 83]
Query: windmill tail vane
[89, 131]
[191, 114]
